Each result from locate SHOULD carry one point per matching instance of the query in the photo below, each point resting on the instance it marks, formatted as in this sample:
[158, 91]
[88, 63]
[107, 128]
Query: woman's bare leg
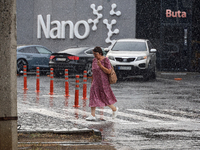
[93, 111]
[112, 107]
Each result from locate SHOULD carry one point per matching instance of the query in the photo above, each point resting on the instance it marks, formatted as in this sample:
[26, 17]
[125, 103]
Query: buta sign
[179, 14]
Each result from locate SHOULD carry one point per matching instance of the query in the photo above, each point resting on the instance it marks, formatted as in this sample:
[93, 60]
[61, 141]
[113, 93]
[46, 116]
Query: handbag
[112, 77]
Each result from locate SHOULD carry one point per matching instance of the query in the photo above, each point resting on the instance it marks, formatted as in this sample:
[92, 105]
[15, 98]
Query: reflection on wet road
[152, 115]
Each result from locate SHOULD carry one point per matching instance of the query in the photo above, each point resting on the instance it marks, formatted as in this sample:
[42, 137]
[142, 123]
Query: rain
[154, 48]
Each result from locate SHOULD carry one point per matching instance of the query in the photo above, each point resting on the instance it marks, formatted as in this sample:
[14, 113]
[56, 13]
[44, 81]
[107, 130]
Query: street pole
[8, 76]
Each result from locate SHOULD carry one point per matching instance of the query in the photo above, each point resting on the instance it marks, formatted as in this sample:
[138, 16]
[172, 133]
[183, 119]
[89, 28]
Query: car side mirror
[153, 50]
[106, 49]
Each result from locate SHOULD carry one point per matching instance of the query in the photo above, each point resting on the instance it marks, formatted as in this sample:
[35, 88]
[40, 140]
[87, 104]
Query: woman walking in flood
[101, 93]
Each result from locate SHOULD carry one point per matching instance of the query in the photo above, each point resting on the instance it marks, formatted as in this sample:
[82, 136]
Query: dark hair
[98, 49]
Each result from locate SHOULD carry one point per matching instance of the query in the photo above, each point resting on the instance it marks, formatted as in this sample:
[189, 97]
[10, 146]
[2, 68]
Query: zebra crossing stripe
[191, 114]
[99, 116]
[64, 117]
[147, 112]
[49, 113]
[133, 116]
[79, 116]
[76, 119]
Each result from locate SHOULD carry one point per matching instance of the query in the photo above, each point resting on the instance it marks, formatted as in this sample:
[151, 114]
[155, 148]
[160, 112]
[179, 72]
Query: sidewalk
[193, 77]
[62, 140]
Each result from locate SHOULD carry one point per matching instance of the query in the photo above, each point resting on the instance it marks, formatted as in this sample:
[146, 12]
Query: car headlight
[111, 58]
[141, 58]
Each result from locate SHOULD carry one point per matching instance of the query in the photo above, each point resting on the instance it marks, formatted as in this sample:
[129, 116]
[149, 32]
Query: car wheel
[153, 74]
[146, 75]
[20, 65]
[88, 68]
[59, 73]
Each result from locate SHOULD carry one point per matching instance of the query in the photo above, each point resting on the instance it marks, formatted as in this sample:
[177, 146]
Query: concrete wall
[8, 78]
[74, 11]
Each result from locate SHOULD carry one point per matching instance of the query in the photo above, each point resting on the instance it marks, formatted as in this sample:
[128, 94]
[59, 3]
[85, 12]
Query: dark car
[76, 60]
[33, 56]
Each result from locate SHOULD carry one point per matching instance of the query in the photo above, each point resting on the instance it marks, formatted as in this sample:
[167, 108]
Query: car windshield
[130, 46]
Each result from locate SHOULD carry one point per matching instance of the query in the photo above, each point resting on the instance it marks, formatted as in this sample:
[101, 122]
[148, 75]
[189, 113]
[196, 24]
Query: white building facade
[59, 24]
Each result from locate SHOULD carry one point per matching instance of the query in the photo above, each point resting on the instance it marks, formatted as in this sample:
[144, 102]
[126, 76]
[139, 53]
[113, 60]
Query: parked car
[133, 57]
[33, 56]
[75, 59]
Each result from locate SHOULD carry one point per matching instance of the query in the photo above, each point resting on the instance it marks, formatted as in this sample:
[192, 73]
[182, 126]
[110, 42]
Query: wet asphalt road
[157, 114]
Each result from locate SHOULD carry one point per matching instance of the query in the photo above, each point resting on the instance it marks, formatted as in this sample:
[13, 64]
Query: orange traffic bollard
[37, 79]
[66, 83]
[51, 81]
[76, 102]
[84, 85]
[25, 78]
[178, 79]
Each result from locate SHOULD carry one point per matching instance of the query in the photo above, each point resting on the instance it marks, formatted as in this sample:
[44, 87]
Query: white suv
[133, 57]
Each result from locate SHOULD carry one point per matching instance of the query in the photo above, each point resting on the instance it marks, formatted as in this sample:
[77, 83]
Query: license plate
[124, 67]
[60, 59]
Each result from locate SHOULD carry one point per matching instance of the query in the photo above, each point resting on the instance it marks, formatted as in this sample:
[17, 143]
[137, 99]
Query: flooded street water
[157, 114]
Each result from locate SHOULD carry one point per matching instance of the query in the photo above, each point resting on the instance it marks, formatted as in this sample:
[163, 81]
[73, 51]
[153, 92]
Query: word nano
[58, 32]
[175, 14]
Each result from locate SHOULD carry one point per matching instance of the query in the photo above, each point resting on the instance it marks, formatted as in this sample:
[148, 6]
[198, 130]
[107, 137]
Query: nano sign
[56, 29]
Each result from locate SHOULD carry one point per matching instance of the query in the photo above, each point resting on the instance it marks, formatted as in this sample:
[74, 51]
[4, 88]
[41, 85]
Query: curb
[94, 132]
[63, 143]
[173, 75]
[70, 131]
